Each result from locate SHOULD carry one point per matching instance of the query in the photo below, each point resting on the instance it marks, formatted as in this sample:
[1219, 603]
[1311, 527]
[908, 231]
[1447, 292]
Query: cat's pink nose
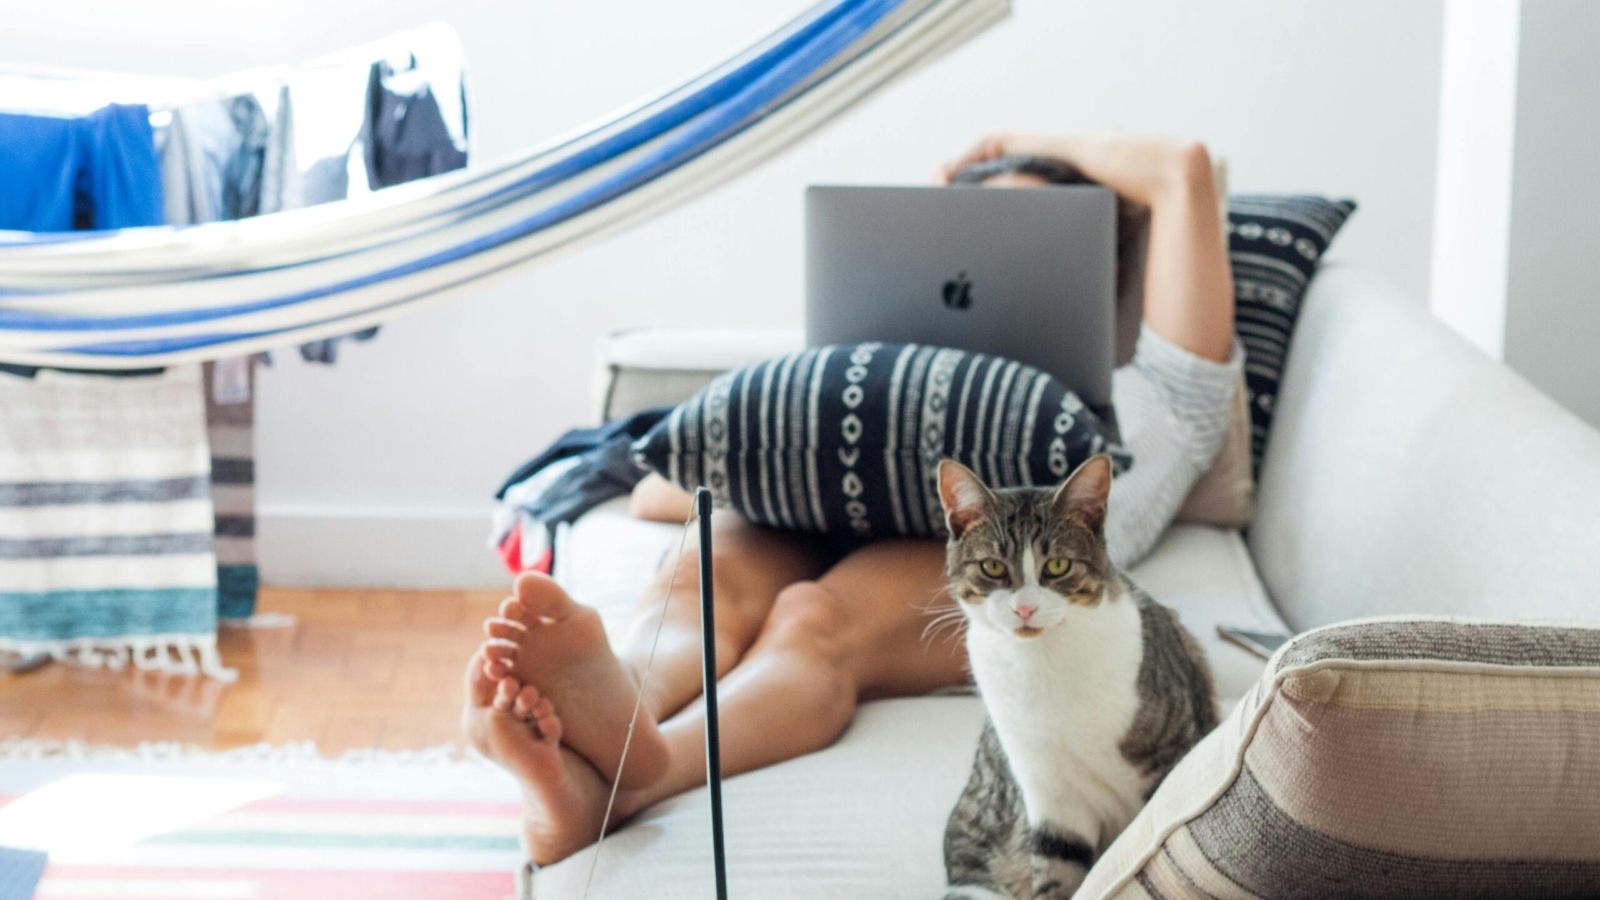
[1025, 611]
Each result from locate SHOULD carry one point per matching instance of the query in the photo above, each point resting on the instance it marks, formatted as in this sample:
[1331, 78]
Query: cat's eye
[993, 568]
[1057, 566]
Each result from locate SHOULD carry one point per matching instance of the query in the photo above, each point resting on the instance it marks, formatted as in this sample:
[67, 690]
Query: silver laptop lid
[1024, 273]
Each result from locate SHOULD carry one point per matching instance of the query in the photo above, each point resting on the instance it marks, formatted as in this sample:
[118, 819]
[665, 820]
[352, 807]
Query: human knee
[811, 619]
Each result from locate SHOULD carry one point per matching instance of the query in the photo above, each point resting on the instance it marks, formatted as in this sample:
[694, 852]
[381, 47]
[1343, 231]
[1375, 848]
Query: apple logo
[958, 291]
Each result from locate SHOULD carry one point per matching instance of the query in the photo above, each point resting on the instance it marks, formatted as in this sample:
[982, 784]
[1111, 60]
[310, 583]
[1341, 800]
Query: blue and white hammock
[154, 296]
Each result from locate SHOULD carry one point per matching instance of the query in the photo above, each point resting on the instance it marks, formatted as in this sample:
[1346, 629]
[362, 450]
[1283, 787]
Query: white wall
[1552, 314]
[1472, 195]
[379, 470]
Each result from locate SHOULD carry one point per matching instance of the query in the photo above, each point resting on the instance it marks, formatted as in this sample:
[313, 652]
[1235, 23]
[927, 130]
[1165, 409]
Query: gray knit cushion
[1429, 758]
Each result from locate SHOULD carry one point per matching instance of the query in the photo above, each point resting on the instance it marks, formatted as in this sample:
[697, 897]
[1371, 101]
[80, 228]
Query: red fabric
[511, 554]
[511, 549]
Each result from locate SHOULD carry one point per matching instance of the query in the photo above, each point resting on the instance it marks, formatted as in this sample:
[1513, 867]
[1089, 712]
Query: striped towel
[106, 521]
[230, 424]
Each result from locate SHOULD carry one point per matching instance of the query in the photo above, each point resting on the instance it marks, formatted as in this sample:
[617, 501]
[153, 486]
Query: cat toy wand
[708, 653]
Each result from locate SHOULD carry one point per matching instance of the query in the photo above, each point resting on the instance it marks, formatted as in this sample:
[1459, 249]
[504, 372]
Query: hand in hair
[1188, 286]
[1145, 169]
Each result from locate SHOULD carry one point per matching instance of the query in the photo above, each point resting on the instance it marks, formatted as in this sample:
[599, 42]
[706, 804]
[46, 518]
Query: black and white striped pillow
[846, 440]
[1275, 242]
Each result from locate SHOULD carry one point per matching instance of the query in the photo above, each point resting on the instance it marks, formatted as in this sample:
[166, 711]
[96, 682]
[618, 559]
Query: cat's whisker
[950, 619]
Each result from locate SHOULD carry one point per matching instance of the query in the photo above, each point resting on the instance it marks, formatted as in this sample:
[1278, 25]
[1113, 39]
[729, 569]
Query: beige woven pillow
[1226, 494]
[1404, 758]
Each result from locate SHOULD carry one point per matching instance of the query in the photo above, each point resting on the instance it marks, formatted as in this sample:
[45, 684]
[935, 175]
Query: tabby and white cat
[1094, 690]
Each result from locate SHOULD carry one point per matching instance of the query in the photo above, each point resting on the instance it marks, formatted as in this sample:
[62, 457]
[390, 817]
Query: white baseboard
[310, 546]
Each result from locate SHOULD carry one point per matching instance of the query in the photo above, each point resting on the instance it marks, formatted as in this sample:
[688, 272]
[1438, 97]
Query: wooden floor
[361, 668]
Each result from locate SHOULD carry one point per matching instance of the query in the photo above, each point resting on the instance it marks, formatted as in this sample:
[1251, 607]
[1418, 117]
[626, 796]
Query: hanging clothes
[326, 351]
[406, 134]
[229, 387]
[105, 510]
[107, 521]
[214, 160]
[79, 173]
[38, 172]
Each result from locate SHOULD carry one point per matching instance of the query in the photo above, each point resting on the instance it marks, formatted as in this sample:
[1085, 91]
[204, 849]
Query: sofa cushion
[1275, 242]
[1387, 758]
[1225, 494]
[845, 440]
[1409, 473]
[863, 819]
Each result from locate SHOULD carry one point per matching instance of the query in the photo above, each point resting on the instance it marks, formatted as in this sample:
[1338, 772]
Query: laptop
[1024, 273]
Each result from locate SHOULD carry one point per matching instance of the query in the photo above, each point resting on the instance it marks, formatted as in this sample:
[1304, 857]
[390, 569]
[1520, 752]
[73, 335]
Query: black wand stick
[708, 638]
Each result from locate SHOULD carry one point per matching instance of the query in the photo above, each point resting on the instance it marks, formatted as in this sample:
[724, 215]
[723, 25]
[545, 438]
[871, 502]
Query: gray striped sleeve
[1172, 409]
[1197, 391]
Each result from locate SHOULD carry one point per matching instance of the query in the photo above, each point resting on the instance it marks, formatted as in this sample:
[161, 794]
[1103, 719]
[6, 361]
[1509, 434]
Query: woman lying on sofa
[804, 635]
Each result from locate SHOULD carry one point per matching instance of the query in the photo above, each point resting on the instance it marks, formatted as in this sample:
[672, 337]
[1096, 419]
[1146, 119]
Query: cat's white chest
[1061, 705]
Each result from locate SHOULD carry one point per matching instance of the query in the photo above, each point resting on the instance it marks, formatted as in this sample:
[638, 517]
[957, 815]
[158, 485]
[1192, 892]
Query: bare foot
[563, 797]
[545, 639]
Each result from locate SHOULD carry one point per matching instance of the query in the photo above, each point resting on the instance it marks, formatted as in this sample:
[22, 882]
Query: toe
[480, 684]
[496, 669]
[501, 649]
[500, 657]
[506, 694]
[527, 699]
[511, 608]
[504, 629]
[541, 597]
[548, 724]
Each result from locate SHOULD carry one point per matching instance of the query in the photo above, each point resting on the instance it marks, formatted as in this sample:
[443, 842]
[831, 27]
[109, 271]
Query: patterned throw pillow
[846, 440]
[1422, 758]
[1274, 244]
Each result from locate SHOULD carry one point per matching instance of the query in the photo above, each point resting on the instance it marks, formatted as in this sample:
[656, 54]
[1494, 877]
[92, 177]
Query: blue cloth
[94, 172]
[20, 871]
[38, 172]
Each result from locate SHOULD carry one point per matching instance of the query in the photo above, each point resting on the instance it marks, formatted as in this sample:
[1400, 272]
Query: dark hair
[1131, 216]
[1054, 171]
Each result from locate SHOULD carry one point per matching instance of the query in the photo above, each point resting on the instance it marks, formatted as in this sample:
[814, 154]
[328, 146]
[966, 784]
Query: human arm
[1188, 285]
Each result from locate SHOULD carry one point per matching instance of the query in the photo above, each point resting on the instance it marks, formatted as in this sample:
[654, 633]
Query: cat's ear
[965, 498]
[1082, 498]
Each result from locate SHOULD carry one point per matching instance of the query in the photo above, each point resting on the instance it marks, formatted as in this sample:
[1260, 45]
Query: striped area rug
[262, 824]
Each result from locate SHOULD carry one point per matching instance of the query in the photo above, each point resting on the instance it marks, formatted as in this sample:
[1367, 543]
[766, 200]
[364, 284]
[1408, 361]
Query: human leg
[546, 639]
[857, 632]
[750, 565]
[563, 796]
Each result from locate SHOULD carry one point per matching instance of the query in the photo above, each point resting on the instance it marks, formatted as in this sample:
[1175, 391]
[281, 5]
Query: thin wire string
[638, 703]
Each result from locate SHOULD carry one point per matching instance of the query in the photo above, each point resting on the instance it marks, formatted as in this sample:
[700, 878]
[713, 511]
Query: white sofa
[1405, 473]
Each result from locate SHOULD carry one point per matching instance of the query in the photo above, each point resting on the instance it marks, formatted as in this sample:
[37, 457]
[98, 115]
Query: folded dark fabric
[603, 473]
[584, 468]
[579, 441]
